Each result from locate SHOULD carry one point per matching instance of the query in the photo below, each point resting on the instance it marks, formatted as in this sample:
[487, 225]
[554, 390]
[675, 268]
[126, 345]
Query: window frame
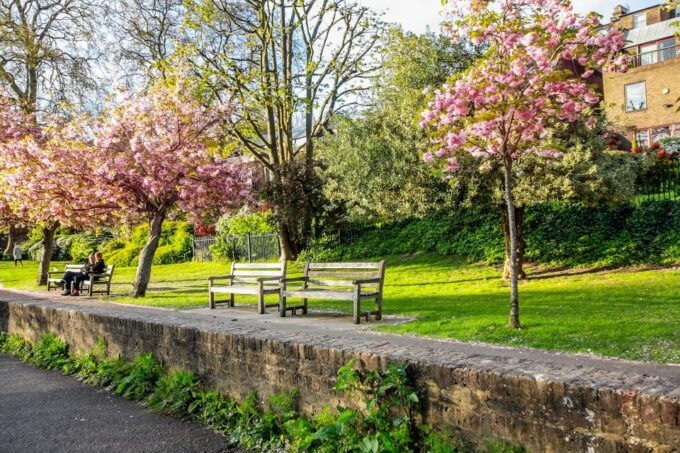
[642, 131]
[635, 23]
[625, 96]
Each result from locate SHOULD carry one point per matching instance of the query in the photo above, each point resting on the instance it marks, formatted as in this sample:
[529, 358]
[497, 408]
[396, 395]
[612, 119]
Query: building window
[676, 131]
[661, 132]
[636, 97]
[639, 20]
[667, 49]
[648, 54]
[642, 138]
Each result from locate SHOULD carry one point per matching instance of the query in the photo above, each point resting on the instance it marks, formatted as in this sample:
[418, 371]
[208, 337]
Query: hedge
[569, 234]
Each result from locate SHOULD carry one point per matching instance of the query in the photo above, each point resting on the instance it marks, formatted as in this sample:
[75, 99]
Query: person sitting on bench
[95, 265]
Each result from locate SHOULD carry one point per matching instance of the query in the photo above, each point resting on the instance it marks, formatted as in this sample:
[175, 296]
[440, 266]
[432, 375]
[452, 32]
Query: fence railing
[662, 184]
[251, 247]
[655, 56]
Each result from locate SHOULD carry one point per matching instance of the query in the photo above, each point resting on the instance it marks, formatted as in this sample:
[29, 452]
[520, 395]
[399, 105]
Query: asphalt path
[45, 411]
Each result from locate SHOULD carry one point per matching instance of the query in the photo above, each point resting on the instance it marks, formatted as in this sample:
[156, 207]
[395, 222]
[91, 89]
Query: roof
[649, 33]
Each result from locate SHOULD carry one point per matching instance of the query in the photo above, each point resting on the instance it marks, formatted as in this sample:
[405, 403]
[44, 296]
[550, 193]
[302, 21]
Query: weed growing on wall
[386, 423]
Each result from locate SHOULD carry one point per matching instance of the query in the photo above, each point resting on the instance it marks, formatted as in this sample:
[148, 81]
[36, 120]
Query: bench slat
[276, 266]
[237, 289]
[249, 273]
[325, 294]
[319, 266]
[343, 275]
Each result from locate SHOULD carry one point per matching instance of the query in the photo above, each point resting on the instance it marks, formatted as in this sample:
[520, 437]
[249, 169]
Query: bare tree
[292, 65]
[45, 62]
[145, 34]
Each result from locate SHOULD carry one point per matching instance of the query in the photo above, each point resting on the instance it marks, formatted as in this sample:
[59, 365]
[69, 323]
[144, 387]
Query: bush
[387, 424]
[555, 233]
[232, 229]
[50, 353]
[174, 245]
[140, 379]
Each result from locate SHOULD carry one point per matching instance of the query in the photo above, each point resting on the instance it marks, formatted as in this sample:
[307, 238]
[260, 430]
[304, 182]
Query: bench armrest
[93, 276]
[296, 279]
[55, 273]
[266, 279]
[368, 280]
[221, 277]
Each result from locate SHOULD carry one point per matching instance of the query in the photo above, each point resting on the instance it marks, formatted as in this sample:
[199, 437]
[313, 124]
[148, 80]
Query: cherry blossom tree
[157, 155]
[14, 125]
[48, 181]
[531, 78]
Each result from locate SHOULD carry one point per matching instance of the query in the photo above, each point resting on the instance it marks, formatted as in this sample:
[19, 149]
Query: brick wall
[659, 76]
[545, 402]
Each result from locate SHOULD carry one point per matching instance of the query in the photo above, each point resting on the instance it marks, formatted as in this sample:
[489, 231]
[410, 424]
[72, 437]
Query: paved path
[44, 411]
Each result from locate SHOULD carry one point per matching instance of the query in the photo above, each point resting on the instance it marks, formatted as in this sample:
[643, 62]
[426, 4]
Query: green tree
[291, 66]
[373, 160]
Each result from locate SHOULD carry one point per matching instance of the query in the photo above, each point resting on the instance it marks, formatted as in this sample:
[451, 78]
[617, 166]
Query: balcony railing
[655, 56]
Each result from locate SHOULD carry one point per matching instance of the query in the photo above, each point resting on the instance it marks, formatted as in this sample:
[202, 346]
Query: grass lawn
[629, 313]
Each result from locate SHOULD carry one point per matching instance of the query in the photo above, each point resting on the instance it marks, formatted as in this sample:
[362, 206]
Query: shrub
[174, 393]
[174, 245]
[555, 233]
[16, 346]
[140, 379]
[386, 424]
[238, 226]
[50, 353]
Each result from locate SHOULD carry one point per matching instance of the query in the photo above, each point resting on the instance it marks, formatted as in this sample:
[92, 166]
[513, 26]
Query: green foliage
[16, 346]
[174, 393]
[232, 229]
[50, 353]
[556, 233]
[373, 161]
[68, 246]
[140, 379]
[174, 245]
[386, 425]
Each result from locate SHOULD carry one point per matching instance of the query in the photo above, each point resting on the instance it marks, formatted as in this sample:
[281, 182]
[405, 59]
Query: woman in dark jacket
[97, 266]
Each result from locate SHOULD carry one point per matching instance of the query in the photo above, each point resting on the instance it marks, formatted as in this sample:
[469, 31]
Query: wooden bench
[353, 282]
[95, 280]
[256, 279]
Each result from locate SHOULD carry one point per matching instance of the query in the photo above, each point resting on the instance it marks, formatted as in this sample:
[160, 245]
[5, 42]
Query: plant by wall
[386, 423]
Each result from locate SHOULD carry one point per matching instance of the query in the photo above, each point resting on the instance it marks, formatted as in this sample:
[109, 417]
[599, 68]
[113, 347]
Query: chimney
[619, 10]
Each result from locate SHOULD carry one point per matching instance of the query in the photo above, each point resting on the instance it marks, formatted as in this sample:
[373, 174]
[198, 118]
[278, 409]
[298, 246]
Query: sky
[418, 15]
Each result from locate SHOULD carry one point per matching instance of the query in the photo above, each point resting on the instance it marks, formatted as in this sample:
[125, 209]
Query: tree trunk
[11, 240]
[513, 320]
[146, 255]
[47, 249]
[521, 244]
[290, 249]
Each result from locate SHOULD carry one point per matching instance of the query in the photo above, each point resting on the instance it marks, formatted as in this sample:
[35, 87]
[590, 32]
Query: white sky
[418, 15]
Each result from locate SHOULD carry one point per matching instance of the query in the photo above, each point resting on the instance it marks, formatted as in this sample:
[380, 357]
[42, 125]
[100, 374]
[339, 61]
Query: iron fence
[662, 184]
[251, 247]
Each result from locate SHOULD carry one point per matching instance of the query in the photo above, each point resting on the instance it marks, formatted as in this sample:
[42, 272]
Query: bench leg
[282, 305]
[357, 304]
[260, 302]
[231, 300]
[211, 298]
[378, 307]
[304, 309]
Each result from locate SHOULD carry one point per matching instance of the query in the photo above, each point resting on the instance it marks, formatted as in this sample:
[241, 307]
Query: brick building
[643, 101]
